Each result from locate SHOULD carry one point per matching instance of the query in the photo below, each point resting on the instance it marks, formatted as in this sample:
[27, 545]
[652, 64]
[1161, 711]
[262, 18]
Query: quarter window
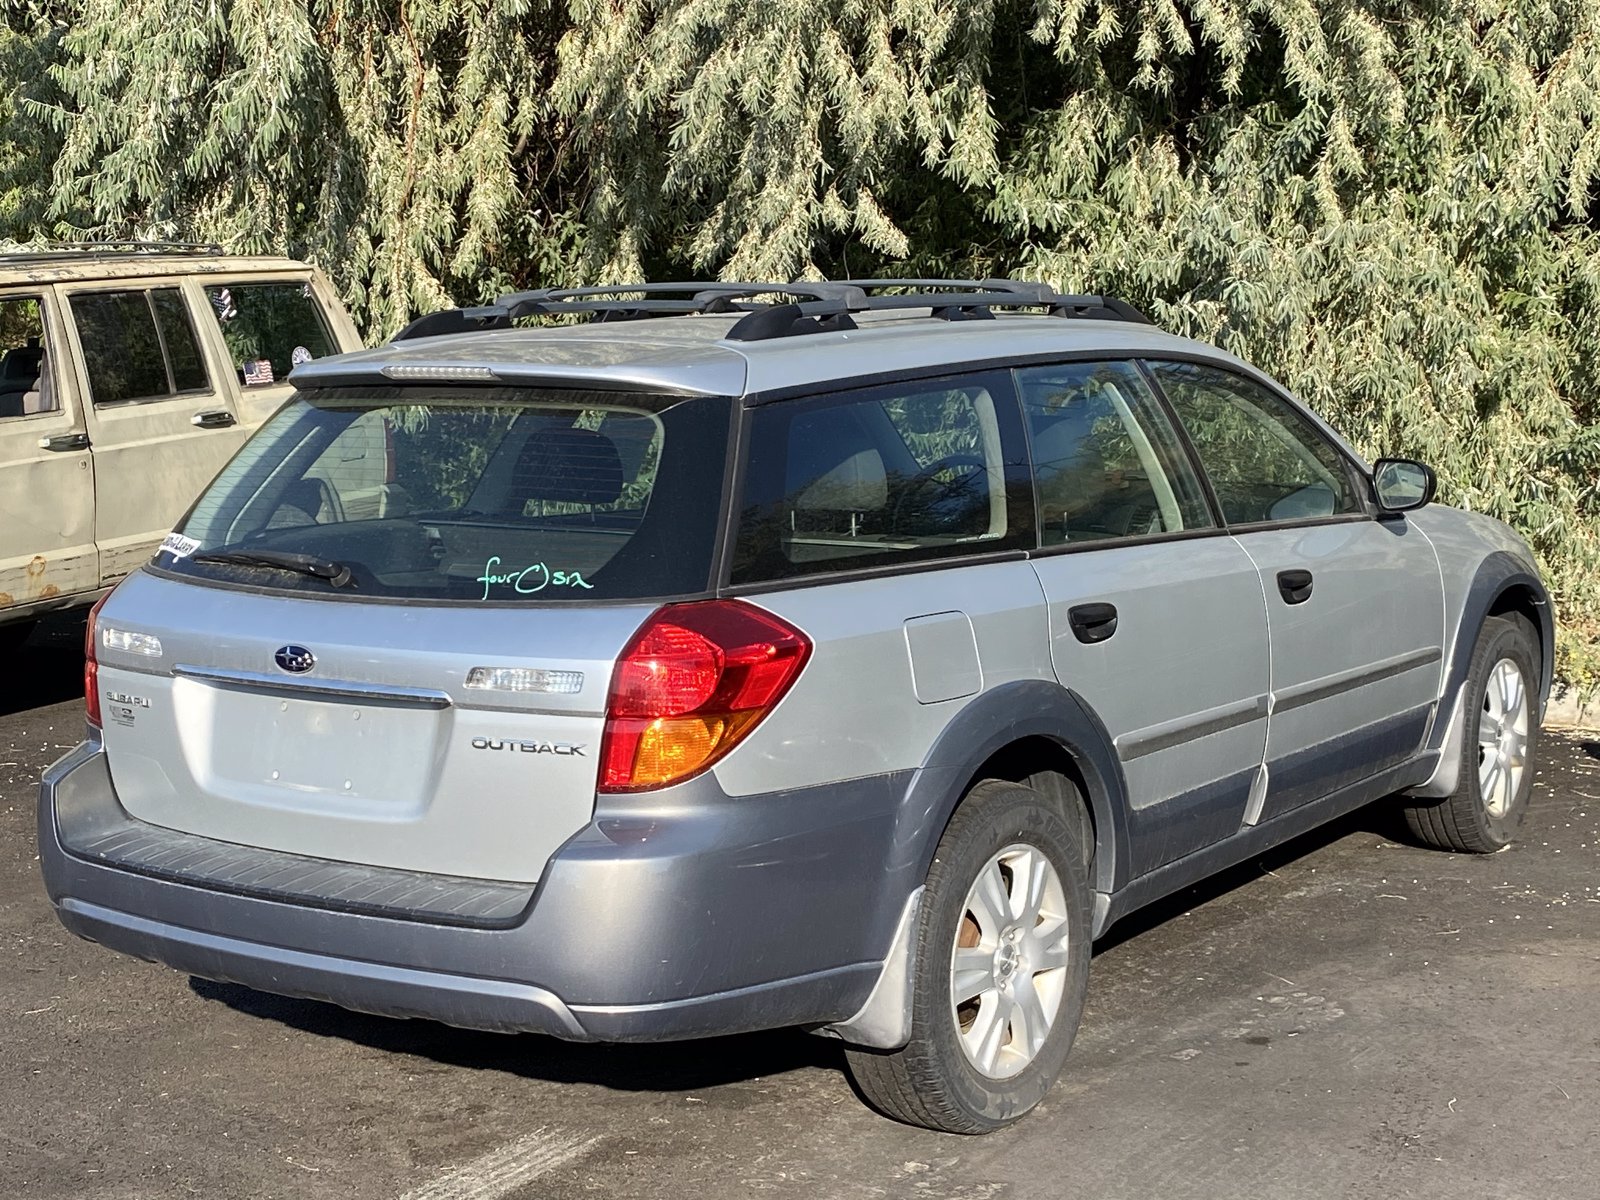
[874, 478]
[1106, 462]
[138, 345]
[1266, 461]
[270, 328]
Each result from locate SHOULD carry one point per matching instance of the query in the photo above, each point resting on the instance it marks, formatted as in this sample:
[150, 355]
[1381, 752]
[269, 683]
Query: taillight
[91, 664]
[694, 681]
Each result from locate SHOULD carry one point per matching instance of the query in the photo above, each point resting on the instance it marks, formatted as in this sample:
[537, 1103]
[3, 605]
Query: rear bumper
[691, 915]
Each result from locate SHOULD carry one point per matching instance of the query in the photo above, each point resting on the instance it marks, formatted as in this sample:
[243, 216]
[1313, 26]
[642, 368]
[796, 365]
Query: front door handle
[65, 441]
[1294, 586]
[1092, 622]
[212, 420]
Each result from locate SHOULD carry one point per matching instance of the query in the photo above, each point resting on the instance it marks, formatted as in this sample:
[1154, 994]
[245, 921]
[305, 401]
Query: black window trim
[147, 290]
[1018, 473]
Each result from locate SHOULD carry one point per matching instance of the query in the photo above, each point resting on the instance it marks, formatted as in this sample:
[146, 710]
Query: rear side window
[138, 345]
[269, 328]
[1266, 461]
[916, 471]
[25, 383]
[498, 495]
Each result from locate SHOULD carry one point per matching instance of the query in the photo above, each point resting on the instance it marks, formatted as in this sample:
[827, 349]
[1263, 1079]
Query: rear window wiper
[335, 573]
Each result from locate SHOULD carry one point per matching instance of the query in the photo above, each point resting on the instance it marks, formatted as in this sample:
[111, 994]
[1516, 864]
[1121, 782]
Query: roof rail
[52, 251]
[818, 306]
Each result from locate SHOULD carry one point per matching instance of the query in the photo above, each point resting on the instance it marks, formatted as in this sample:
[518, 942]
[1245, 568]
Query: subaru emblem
[297, 660]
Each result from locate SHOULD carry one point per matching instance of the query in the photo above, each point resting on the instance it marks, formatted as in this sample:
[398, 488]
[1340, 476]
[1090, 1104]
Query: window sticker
[179, 546]
[299, 355]
[528, 580]
[257, 371]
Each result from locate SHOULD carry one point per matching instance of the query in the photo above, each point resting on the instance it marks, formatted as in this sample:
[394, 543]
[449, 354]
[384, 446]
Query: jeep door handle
[212, 420]
[1092, 622]
[1294, 586]
[65, 441]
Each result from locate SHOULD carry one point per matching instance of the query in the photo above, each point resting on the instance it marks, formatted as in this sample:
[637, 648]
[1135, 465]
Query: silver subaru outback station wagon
[845, 656]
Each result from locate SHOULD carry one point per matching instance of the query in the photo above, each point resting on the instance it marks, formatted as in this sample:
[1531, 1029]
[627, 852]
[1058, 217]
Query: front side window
[876, 478]
[1106, 462]
[138, 345]
[269, 328]
[1266, 461]
[499, 495]
[25, 384]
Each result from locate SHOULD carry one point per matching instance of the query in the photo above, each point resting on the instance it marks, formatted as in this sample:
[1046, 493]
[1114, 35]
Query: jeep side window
[138, 345]
[1266, 461]
[25, 385]
[270, 328]
[874, 478]
[1106, 461]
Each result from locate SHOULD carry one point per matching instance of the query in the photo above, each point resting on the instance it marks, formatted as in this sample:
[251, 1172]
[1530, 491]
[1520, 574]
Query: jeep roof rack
[133, 247]
[818, 306]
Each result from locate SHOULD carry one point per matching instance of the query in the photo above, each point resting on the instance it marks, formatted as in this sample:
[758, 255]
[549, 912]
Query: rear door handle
[65, 441]
[212, 420]
[1294, 586]
[1092, 622]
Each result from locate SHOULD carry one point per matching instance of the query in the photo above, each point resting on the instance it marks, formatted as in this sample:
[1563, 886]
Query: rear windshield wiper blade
[282, 560]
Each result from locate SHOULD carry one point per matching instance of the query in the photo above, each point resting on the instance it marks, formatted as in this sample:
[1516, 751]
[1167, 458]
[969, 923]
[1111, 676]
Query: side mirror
[1402, 484]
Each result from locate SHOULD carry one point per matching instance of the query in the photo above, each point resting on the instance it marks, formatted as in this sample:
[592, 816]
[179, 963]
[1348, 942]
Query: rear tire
[1498, 744]
[1001, 969]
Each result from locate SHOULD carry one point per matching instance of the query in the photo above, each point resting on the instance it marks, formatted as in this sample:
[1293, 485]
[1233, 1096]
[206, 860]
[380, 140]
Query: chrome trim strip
[1302, 694]
[340, 689]
[1168, 734]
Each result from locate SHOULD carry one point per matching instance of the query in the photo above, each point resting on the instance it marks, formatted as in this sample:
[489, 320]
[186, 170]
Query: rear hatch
[386, 633]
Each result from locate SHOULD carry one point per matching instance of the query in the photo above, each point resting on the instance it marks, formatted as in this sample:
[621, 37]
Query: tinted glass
[473, 494]
[1106, 462]
[893, 475]
[183, 353]
[24, 373]
[276, 324]
[121, 349]
[1265, 460]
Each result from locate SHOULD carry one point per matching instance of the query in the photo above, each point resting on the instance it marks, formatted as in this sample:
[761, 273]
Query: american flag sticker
[257, 371]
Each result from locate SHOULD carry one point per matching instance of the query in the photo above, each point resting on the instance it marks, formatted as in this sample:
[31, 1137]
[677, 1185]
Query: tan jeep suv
[129, 373]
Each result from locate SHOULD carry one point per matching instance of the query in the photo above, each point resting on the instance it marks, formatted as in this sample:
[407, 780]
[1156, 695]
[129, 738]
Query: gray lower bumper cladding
[644, 927]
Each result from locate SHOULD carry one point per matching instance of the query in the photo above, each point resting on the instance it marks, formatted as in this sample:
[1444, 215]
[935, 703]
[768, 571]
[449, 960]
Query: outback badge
[297, 660]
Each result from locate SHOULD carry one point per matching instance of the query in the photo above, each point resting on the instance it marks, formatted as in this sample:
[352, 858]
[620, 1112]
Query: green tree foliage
[1388, 205]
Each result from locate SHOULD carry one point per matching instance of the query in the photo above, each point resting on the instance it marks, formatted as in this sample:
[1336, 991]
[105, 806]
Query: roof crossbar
[816, 306]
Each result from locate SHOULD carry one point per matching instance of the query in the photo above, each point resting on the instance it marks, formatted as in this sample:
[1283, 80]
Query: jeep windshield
[504, 495]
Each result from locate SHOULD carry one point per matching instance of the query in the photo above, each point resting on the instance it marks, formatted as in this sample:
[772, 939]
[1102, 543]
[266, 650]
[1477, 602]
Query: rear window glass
[484, 495]
[876, 478]
[269, 328]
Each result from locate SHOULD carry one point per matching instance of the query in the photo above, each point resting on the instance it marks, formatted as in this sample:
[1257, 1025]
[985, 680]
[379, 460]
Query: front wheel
[1002, 966]
[1498, 742]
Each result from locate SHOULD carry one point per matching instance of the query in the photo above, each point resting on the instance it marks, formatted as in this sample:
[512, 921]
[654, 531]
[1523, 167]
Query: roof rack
[61, 251]
[818, 306]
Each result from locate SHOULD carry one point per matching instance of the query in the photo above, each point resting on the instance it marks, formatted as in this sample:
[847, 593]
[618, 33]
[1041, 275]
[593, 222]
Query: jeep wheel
[1497, 747]
[1001, 968]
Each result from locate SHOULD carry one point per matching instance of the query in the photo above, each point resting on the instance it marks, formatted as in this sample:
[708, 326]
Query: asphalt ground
[1350, 1016]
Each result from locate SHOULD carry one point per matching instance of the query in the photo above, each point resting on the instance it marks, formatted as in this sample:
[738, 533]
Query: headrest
[858, 484]
[22, 363]
[570, 466]
[834, 463]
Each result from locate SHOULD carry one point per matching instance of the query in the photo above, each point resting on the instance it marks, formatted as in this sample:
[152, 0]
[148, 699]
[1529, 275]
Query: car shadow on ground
[691, 1066]
[639, 1067]
[47, 668]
